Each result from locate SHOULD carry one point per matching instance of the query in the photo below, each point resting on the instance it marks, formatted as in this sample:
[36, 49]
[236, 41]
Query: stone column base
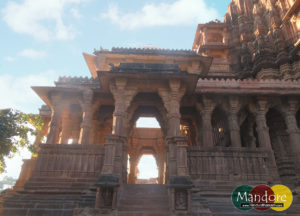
[180, 195]
[107, 192]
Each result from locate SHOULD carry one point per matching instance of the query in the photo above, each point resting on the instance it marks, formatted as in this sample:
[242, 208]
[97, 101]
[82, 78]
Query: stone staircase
[144, 200]
[51, 197]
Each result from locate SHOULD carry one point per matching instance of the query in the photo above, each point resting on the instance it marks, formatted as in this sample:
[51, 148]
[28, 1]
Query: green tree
[7, 181]
[15, 131]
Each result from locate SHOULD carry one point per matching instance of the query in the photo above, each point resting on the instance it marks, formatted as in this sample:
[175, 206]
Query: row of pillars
[207, 107]
[259, 110]
[61, 124]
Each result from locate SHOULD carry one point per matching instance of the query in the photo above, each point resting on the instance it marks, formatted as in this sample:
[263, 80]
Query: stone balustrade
[69, 161]
[227, 164]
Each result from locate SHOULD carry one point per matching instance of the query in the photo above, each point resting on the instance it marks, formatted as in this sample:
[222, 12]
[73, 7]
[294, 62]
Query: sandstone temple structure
[229, 112]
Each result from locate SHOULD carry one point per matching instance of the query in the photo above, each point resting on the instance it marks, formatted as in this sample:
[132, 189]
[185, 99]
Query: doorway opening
[147, 122]
[146, 152]
[147, 170]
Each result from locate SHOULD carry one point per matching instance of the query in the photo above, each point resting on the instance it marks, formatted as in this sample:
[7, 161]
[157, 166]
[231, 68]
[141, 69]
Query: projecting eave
[188, 61]
[44, 92]
[91, 63]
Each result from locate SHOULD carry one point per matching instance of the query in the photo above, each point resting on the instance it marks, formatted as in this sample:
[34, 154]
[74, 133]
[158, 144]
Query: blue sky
[44, 39]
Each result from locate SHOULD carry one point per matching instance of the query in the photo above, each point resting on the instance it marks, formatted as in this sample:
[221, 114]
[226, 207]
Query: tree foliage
[15, 130]
[7, 181]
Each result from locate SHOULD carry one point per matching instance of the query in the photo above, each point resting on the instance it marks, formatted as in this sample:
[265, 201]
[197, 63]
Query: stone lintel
[143, 80]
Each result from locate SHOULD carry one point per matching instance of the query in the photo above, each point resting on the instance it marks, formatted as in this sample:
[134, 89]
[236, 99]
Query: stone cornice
[248, 86]
[67, 81]
[147, 51]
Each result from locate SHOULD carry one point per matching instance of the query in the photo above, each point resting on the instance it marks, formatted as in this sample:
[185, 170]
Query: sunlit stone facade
[228, 110]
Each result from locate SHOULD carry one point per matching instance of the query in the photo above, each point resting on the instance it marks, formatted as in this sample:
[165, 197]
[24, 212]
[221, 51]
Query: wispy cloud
[75, 13]
[180, 12]
[30, 17]
[32, 54]
[9, 59]
[17, 91]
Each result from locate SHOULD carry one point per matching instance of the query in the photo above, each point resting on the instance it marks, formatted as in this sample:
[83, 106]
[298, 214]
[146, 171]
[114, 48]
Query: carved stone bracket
[123, 97]
[171, 98]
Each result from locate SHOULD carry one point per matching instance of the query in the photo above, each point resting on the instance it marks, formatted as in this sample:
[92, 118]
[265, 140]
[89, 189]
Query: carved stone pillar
[123, 97]
[261, 124]
[66, 128]
[171, 98]
[87, 117]
[293, 130]
[233, 123]
[55, 124]
[133, 164]
[206, 112]
[171, 157]
[264, 137]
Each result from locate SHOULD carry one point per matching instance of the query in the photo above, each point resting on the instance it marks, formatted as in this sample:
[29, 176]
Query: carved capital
[57, 101]
[206, 107]
[234, 105]
[122, 95]
[262, 104]
[172, 97]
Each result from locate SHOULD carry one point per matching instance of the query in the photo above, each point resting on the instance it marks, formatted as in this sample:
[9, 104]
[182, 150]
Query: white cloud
[17, 92]
[32, 54]
[180, 12]
[9, 59]
[30, 17]
[75, 13]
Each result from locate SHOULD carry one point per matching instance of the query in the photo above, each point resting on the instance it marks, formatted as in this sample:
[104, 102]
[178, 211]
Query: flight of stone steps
[49, 197]
[144, 200]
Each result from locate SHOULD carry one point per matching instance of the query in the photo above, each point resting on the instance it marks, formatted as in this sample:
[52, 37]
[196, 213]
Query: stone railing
[228, 164]
[69, 161]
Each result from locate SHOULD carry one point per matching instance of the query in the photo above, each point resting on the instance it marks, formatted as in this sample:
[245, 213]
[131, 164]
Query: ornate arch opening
[146, 140]
[248, 132]
[71, 121]
[147, 169]
[101, 123]
[188, 124]
[219, 122]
